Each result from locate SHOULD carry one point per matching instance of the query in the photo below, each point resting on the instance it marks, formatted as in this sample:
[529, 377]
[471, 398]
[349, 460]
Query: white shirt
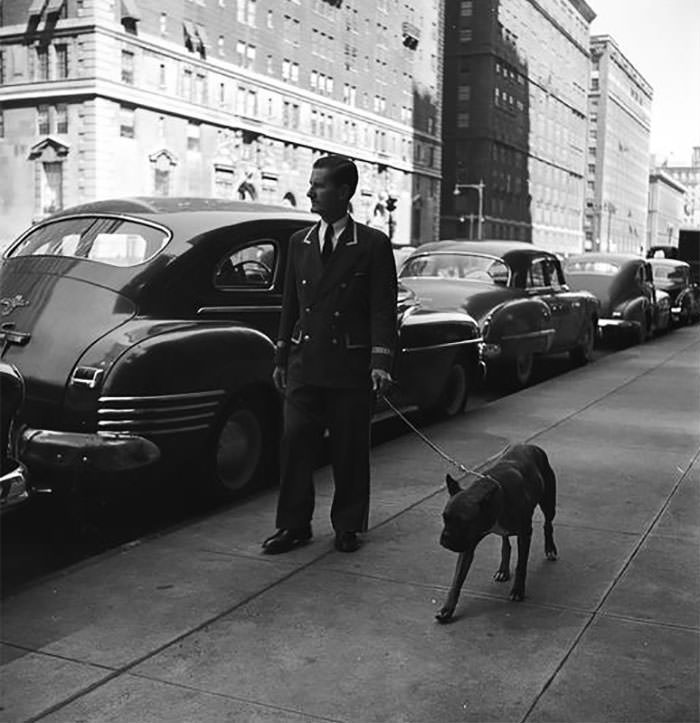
[338, 228]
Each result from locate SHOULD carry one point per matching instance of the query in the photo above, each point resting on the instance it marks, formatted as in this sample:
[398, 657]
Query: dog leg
[503, 572]
[517, 592]
[464, 562]
[550, 549]
[548, 505]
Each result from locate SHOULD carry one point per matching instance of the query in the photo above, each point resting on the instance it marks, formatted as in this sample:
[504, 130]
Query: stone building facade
[689, 176]
[227, 98]
[514, 118]
[666, 213]
[618, 155]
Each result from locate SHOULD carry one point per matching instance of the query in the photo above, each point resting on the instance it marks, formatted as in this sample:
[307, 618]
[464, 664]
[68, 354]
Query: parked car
[630, 303]
[673, 277]
[140, 332]
[516, 292]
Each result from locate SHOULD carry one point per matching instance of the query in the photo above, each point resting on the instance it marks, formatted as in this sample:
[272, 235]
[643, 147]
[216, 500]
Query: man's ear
[452, 485]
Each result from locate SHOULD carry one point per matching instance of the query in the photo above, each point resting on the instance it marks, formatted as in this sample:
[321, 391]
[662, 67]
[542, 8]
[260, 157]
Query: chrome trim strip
[115, 411]
[446, 345]
[232, 309]
[137, 425]
[176, 430]
[530, 334]
[166, 397]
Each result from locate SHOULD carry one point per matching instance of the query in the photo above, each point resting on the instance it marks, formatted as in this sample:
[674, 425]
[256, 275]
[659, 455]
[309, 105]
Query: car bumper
[14, 488]
[75, 451]
[604, 324]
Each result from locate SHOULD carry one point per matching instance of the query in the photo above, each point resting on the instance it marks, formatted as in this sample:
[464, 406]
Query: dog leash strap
[430, 442]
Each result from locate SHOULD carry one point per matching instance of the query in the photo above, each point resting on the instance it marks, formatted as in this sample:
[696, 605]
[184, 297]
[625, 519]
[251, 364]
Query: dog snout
[449, 543]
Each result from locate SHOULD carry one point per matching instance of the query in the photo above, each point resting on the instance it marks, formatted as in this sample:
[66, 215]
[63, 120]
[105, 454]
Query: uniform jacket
[339, 322]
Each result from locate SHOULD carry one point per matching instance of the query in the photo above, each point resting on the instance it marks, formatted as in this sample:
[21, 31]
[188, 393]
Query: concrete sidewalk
[196, 625]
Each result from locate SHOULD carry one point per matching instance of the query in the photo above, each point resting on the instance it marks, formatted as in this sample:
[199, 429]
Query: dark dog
[501, 500]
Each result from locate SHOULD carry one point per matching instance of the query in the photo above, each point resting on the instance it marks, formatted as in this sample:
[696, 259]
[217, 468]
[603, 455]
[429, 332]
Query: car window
[554, 273]
[537, 275]
[107, 240]
[592, 267]
[249, 267]
[457, 266]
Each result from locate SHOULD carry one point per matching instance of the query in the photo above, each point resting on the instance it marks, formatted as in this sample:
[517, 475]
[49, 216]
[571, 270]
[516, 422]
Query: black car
[517, 293]
[140, 332]
[673, 277]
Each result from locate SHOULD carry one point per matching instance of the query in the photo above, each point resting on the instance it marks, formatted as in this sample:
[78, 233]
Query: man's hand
[279, 377]
[381, 381]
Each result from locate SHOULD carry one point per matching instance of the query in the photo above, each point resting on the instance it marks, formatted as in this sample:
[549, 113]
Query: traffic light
[390, 204]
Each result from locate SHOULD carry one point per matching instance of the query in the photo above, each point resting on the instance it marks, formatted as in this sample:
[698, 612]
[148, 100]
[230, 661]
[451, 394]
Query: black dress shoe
[346, 542]
[286, 540]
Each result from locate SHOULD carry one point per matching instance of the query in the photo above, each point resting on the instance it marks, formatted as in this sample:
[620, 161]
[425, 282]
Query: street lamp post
[480, 189]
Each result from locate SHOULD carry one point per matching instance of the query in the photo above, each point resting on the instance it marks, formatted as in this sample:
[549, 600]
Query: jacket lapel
[342, 259]
[312, 264]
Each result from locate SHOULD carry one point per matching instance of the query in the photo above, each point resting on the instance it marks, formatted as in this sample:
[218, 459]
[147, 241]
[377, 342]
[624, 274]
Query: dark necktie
[327, 249]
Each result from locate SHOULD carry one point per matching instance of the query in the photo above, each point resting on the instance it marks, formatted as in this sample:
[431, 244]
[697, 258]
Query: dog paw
[445, 615]
[517, 595]
[551, 555]
[502, 576]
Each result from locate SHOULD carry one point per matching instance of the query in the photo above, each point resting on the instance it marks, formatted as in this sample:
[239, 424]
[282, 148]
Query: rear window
[592, 267]
[112, 241]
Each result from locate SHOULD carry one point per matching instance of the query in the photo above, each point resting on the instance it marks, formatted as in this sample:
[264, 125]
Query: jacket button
[336, 314]
[303, 282]
[306, 337]
[307, 309]
[335, 341]
[343, 285]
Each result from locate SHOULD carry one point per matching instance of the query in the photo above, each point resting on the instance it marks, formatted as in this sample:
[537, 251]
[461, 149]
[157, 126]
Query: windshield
[592, 267]
[668, 273]
[457, 266]
[112, 241]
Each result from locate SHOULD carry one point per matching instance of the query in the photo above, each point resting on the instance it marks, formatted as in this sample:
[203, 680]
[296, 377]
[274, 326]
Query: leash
[440, 452]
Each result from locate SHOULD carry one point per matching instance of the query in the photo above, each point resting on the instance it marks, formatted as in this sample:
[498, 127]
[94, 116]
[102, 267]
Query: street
[183, 619]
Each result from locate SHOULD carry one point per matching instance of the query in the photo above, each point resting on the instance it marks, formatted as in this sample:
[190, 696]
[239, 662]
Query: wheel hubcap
[238, 449]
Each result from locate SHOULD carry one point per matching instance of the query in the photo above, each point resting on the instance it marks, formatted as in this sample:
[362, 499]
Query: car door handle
[576, 304]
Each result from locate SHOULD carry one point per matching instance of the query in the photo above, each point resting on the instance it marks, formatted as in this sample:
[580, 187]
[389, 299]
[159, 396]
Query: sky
[662, 40]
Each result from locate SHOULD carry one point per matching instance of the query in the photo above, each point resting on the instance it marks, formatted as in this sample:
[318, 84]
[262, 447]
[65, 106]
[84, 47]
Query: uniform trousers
[346, 413]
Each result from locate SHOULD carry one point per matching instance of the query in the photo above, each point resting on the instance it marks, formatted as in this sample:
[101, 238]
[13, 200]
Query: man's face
[327, 199]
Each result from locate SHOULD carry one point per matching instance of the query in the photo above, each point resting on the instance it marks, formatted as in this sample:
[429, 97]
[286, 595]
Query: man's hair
[343, 171]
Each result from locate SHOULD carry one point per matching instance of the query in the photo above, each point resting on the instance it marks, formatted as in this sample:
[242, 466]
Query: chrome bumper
[103, 451]
[617, 323]
[14, 488]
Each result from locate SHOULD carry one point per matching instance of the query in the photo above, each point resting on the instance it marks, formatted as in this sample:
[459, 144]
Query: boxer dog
[500, 500]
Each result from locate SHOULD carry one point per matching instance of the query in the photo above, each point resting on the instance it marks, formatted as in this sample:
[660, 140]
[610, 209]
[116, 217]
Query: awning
[202, 32]
[130, 10]
[37, 7]
[54, 6]
[190, 32]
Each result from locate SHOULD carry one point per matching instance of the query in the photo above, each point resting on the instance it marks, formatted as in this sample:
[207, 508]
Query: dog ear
[452, 485]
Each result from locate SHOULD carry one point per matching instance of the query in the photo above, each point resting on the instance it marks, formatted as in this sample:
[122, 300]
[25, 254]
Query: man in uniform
[336, 341]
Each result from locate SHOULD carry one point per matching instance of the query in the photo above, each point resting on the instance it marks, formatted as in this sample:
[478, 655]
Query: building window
[187, 84]
[161, 76]
[466, 8]
[465, 35]
[52, 187]
[61, 61]
[2, 67]
[224, 182]
[200, 89]
[222, 94]
[164, 23]
[595, 84]
[193, 136]
[61, 118]
[250, 56]
[269, 18]
[127, 67]
[251, 106]
[42, 120]
[463, 120]
[240, 53]
[2, 122]
[42, 63]
[464, 92]
[126, 121]
[221, 46]
[161, 182]
[295, 72]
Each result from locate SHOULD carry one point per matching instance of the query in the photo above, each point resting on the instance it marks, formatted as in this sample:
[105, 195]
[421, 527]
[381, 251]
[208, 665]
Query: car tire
[455, 393]
[684, 318]
[583, 353]
[643, 330]
[239, 449]
[516, 373]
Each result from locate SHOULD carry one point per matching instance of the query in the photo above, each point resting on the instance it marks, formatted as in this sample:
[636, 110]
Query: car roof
[668, 262]
[613, 258]
[490, 247]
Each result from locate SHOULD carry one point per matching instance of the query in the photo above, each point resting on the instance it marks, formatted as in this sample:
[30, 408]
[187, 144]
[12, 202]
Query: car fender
[634, 309]
[177, 372]
[520, 325]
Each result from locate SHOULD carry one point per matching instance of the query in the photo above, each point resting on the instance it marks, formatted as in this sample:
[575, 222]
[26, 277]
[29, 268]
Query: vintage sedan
[518, 295]
[138, 335]
[630, 303]
[673, 277]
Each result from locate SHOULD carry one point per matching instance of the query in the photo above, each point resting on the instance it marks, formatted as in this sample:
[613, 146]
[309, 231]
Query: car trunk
[48, 320]
[600, 285]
